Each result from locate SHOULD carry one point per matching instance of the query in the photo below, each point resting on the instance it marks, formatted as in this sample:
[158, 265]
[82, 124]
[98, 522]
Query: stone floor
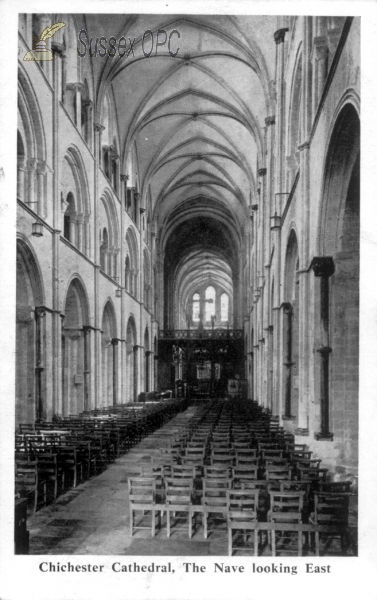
[93, 519]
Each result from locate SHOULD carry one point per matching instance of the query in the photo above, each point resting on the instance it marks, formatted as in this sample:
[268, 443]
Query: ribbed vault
[194, 125]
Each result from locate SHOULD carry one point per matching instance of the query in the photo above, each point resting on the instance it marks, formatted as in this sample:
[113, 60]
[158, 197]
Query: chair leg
[168, 523]
[153, 523]
[273, 542]
[300, 543]
[317, 543]
[256, 538]
[190, 524]
[230, 549]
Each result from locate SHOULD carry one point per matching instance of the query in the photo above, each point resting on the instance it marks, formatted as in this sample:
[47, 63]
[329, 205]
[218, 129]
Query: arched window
[210, 302]
[127, 273]
[103, 250]
[196, 307]
[224, 307]
[69, 223]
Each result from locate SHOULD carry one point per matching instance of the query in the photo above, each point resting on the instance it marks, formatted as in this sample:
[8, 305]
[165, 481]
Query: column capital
[88, 104]
[32, 164]
[262, 171]
[40, 311]
[323, 266]
[137, 196]
[303, 146]
[124, 177]
[77, 85]
[41, 167]
[279, 35]
[270, 120]
[57, 48]
[98, 127]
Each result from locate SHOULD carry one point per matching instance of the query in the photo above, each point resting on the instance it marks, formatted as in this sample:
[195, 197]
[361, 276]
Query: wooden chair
[285, 508]
[242, 473]
[214, 502]
[28, 481]
[178, 503]
[142, 498]
[50, 469]
[242, 507]
[331, 509]
[72, 462]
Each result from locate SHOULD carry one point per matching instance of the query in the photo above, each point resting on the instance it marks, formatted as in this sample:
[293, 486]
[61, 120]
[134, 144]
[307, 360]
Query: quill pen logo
[41, 52]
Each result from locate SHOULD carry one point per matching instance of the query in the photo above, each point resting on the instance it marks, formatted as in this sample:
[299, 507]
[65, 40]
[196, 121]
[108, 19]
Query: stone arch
[133, 253]
[109, 356]
[109, 235]
[291, 328]
[337, 292]
[74, 181]
[75, 350]
[147, 279]
[131, 360]
[294, 125]
[31, 402]
[32, 171]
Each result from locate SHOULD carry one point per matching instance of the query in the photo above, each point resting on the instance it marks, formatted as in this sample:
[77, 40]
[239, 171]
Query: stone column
[87, 370]
[40, 314]
[21, 171]
[136, 209]
[41, 187]
[279, 37]
[324, 268]
[31, 176]
[98, 128]
[87, 106]
[136, 371]
[123, 194]
[320, 55]
[114, 343]
[80, 232]
[73, 228]
[116, 174]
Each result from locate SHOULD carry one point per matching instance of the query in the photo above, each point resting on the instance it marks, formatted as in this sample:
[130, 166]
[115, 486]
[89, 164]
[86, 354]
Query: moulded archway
[131, 361]
[338, 290]
[75, 352]
[30, 350]
[109, 356]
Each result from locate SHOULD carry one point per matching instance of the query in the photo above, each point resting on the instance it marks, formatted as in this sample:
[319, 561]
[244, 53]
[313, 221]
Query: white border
[19, 575]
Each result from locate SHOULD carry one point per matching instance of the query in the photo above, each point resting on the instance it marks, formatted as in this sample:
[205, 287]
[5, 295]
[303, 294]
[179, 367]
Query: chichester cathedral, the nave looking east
[188, 262]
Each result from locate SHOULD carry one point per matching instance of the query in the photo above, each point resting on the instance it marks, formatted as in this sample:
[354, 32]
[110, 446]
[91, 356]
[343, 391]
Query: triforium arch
[291, 316]
[132, 348]
[32, 167]
[109, 236]
[75, 349]
[31, 402]
[109, 356]
[132, 264]
[337, 291]
[75, 201]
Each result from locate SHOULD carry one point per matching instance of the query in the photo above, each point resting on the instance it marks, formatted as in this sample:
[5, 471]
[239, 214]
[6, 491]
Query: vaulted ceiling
[197, 122]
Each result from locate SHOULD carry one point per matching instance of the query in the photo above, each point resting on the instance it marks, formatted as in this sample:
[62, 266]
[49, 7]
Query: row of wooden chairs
[51, 455]
[212, 450]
